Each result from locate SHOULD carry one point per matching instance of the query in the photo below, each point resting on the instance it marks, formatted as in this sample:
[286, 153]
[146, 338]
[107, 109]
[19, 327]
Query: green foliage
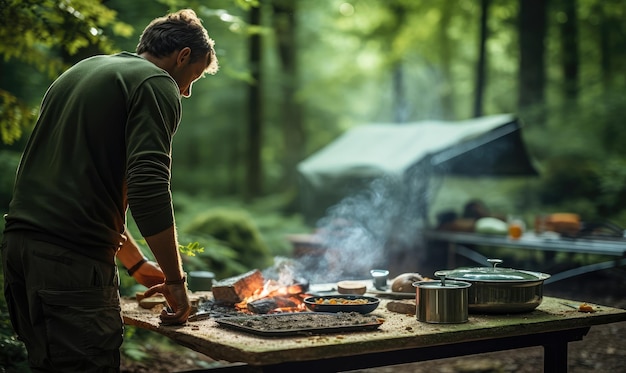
[233, 229]
[40, 33]
[612, 186]
[191, 249]
[143, 345]
[12, 351]
[133, 346]
[275, 224]
[568, 177]
[8, 165]
[218, 257]
[14, 115]
[595, 189]
[31, 27]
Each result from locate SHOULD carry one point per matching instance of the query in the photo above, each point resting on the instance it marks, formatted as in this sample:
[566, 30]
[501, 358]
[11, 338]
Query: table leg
[555, 357]
[555, 349]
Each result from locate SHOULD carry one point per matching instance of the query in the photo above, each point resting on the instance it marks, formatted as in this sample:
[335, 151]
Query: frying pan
[342, 303]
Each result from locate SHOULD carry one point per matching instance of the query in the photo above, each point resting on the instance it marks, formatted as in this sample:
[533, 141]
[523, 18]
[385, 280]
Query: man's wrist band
[176, 282]
[134, 268]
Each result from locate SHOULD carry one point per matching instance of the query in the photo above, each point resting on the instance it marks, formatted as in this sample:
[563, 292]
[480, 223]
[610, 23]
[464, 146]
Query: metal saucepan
[442, 302]
[500, 290]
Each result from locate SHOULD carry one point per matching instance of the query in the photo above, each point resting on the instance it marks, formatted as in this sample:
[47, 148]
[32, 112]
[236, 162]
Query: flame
[293, 294]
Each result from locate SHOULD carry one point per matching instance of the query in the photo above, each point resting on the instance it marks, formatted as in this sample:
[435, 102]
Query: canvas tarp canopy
[485, 146]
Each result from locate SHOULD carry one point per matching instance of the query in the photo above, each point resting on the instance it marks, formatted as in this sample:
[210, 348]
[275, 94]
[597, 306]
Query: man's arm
[164, 246]
[142, 270]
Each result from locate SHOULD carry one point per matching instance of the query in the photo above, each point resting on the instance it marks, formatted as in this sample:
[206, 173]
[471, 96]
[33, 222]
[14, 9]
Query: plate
[301, 323]
[342, 303]
[391, 294]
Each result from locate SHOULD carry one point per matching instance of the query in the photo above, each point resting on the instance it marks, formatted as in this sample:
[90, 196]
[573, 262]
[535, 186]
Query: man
[101, 145]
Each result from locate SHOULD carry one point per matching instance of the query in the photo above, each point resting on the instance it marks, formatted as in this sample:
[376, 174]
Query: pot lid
[443, 284]
[493, 273]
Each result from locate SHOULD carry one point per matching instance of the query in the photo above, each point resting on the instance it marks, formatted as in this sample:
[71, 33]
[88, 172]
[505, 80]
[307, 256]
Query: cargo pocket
[84, 323]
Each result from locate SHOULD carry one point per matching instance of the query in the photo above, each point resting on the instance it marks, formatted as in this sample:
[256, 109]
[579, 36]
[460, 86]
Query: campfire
[274, 297]
[251, 293]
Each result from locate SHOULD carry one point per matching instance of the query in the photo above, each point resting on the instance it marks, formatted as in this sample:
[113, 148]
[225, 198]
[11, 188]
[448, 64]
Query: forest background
[296, 74]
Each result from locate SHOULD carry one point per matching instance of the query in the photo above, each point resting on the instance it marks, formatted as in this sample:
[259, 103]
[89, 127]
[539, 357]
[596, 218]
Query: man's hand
[149, 274]
[178, 300]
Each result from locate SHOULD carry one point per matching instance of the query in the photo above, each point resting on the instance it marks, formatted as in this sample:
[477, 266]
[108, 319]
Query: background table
[400, 339]
[457, 242]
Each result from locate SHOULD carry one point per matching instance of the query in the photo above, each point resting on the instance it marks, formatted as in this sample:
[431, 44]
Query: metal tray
[289, 321]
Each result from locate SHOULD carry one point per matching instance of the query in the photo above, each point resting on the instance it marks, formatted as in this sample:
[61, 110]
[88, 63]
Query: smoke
[365, 230]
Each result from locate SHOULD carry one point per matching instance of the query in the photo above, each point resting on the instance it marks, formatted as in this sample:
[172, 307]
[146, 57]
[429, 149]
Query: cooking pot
[442, 302]
[500, 290]
[200, 280]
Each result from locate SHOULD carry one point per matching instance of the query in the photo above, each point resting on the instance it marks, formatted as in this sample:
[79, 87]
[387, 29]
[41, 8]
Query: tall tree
[445, 53]
[482, 60]
[568, 25]
[605, 46]
[254, 173]
[284, 23]
[532, 68]
[611, 35]
[400, 104]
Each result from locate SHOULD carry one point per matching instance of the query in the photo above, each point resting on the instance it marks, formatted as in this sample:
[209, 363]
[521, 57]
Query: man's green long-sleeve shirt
[102, 143]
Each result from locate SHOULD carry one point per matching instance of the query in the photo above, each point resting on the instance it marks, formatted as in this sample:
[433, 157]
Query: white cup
[380, 277]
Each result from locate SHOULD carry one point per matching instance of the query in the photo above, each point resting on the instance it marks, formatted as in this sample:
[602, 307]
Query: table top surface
[530, 240]
[399, 331]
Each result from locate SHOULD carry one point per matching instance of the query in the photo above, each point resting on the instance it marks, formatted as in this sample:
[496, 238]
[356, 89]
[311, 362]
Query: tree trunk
[610, 39]
[569, 52]
[445, 53]
[254, 184]
[400, 105]
[284, 23]
[606, 24]
[400, 111]
[532, 76]
[482, 64]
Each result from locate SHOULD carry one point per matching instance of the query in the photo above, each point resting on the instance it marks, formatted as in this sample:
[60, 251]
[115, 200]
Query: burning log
[235, 289]
[267, 305]
[274, 297]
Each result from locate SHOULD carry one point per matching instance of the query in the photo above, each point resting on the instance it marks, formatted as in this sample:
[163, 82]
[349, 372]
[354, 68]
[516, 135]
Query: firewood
[235, 289]
[267, 305]
[262, 306]
[405, 306]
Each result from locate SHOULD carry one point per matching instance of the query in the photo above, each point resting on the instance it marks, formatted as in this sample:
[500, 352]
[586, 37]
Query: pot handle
[442, 277]
[494, 262]
[442, 272]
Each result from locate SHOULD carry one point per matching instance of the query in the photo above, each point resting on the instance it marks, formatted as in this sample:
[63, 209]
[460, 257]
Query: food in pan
[341, 301]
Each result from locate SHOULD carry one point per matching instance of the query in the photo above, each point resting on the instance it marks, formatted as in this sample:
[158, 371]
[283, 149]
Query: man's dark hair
[176, 31]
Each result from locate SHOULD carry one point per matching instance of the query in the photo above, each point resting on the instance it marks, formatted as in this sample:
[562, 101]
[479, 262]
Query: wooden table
[456, 241]
[400, 339]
